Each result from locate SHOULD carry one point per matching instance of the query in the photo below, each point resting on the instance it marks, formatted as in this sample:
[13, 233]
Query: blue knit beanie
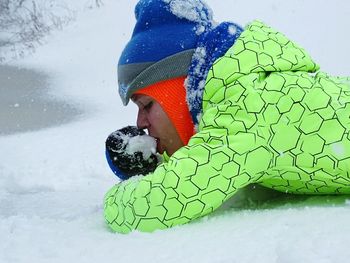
[162, 44]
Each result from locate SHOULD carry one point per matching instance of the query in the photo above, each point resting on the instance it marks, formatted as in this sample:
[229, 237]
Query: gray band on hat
[132, 77]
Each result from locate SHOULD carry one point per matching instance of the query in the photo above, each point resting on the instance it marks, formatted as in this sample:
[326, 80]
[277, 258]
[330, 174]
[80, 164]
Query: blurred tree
[24, 23]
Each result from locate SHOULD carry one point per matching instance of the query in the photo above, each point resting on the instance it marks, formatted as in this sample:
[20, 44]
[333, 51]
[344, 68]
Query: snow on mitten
[130, 151]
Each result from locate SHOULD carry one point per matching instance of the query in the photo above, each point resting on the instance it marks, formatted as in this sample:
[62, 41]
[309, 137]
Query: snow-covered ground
[53, 180]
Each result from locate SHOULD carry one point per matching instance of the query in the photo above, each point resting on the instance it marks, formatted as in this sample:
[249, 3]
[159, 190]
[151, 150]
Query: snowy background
[57, 106]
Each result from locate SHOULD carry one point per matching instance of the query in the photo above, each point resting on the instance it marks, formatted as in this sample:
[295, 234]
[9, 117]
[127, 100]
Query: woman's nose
[142, 122]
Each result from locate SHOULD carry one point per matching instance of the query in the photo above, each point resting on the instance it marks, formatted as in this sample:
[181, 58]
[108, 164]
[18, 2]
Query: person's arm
[196, 180]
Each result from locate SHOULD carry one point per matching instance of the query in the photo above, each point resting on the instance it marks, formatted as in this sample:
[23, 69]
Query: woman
[230, 107]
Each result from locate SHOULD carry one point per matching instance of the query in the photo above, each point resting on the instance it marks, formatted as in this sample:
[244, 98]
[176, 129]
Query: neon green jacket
[267, 119]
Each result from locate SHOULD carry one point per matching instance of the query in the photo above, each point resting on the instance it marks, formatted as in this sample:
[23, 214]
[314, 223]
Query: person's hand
[130, 151]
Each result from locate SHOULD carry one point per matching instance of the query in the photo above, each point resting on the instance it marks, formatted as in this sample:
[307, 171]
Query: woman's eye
[148, 105]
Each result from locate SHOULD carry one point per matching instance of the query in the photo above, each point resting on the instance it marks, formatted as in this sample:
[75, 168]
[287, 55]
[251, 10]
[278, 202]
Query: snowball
[145, 144]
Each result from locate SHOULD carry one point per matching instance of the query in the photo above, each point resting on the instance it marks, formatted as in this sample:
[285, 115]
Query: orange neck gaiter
[171, 95]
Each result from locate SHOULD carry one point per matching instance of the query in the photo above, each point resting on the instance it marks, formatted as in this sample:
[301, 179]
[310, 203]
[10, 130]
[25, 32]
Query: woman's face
[152, 117]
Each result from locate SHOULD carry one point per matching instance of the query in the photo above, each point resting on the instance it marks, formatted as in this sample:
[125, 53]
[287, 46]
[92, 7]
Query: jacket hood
[263, 49]
[258, 48]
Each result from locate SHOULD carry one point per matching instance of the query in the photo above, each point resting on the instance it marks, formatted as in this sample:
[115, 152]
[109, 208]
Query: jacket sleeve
[196, 180]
